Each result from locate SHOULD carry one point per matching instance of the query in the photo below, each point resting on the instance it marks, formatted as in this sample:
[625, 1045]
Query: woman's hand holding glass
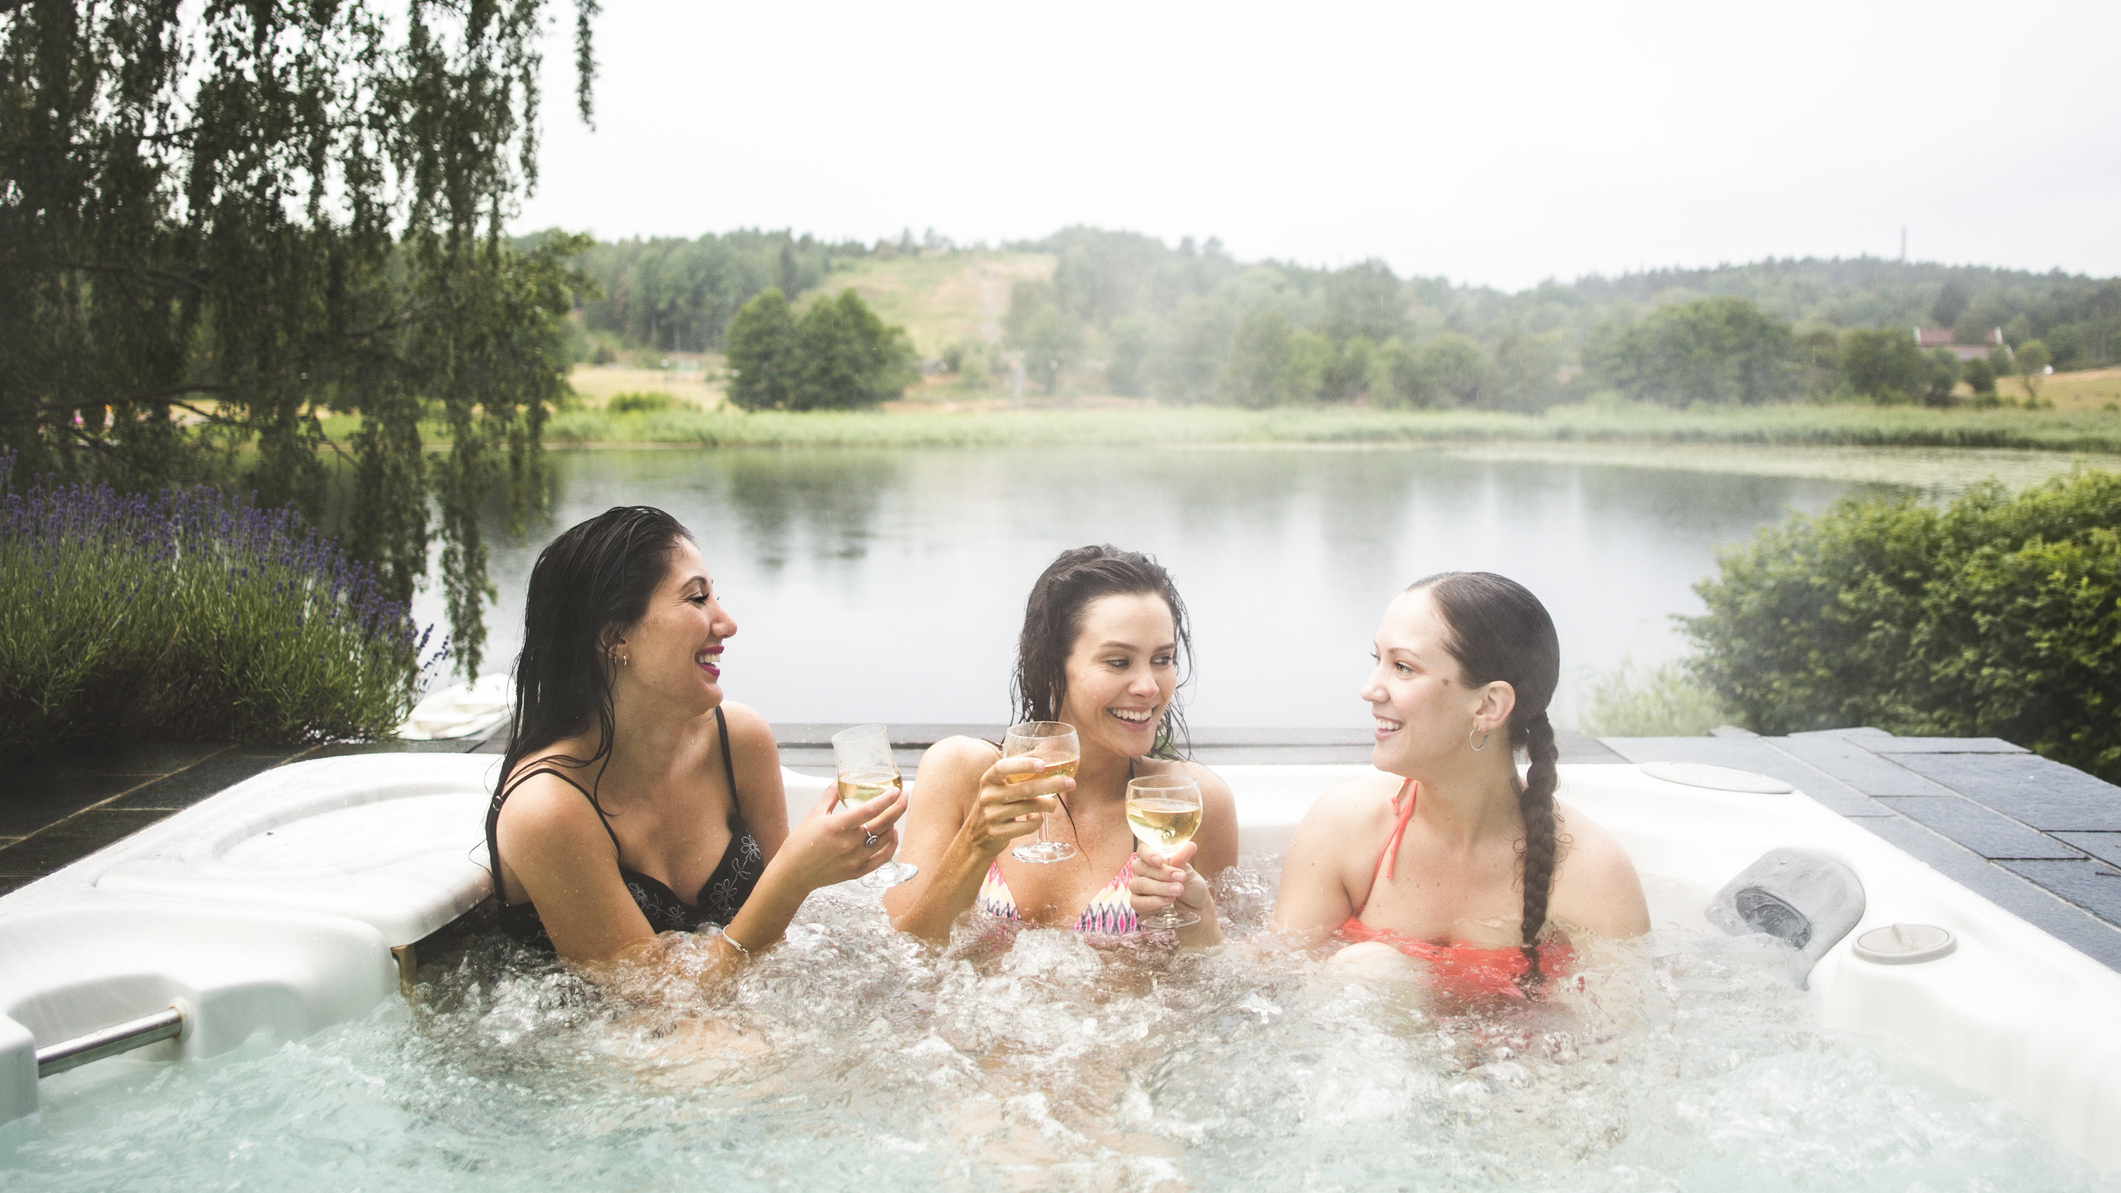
[1011, 805]
[1164, 811]
[834, 844]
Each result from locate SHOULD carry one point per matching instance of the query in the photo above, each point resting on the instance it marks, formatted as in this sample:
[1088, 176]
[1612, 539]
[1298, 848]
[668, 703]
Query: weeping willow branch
[283, 207]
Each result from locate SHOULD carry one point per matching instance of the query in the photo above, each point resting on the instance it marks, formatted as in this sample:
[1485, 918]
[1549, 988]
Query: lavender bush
[189, 616]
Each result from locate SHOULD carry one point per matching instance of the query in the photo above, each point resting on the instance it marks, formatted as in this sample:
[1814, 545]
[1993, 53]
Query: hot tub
[281, 920]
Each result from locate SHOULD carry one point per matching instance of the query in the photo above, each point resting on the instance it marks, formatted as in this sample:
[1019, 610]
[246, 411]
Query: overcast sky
[1493, 143]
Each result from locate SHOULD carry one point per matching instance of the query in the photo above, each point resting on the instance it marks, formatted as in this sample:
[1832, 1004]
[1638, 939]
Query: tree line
[1192, 324]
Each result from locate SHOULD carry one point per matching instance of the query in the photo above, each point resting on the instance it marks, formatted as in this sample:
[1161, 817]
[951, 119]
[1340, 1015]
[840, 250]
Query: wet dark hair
[1499, 630]
[1053, 617]
[589, 583]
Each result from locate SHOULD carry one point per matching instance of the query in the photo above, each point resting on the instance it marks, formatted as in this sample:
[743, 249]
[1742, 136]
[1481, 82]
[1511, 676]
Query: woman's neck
[648, 745]
[1472, 801]
[1102, 773]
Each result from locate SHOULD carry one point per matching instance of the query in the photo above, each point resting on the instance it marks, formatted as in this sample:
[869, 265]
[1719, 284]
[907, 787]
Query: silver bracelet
[736, 944]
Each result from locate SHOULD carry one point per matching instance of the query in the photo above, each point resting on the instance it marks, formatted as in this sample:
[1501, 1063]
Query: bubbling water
[855, 1057]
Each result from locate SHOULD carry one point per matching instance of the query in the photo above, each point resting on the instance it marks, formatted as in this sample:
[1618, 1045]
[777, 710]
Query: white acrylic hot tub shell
[273, 906]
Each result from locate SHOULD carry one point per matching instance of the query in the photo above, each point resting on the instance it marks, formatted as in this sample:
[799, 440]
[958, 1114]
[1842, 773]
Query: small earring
[624, 661]
[1483, 740]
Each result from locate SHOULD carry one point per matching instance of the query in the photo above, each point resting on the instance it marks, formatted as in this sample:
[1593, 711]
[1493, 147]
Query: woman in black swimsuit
[629, 779]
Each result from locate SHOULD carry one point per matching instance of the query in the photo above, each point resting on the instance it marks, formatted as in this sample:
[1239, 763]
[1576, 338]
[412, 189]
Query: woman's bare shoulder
[747, 729]
[1596, 884]
[543, 805]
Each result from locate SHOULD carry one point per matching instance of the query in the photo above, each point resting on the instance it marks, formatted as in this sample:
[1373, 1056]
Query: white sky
[1496, 143]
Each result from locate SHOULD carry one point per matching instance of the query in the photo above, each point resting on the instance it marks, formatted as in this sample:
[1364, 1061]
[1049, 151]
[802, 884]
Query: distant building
[1941, 337]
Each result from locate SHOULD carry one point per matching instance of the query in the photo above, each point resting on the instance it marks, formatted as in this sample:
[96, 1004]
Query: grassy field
[2090, 390]
[1796, 426]
[940, 299]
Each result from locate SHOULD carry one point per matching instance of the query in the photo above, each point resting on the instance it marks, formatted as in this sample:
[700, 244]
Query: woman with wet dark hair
[1449, 857]
[1103, 640]
[634, 801]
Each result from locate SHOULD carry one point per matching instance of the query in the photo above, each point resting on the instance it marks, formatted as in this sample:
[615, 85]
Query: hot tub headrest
[1794, 895]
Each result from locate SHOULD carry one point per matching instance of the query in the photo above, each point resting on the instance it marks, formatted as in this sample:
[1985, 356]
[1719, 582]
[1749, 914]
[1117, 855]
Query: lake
[889, 584]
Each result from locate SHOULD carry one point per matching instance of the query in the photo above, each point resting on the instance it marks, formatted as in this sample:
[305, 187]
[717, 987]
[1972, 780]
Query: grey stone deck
[2038, 838]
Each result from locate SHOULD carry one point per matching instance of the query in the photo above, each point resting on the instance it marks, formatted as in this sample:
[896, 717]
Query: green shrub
[648, 403]
[1662, 701]
[190, 616]
[1999, 616]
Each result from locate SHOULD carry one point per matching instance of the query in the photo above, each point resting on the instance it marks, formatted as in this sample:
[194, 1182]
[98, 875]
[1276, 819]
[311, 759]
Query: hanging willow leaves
[220, 221]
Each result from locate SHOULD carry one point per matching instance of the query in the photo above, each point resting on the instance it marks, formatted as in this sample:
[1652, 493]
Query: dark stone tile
[1583, 748]
[2094, 886]
[133, 758]
[1988, 833]
[14, 882]
[222, 771]
[1941, 745]
[346, 748]
[1849, 762]
[1282, 755]
[492, 745]
[2045, 794]
[2014, 893]
[1758, 755]
[1858, 733]
[71, 840]
[2104, 846]
[31, 802]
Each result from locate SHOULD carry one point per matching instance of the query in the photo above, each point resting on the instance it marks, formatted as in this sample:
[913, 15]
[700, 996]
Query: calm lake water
[889, 585]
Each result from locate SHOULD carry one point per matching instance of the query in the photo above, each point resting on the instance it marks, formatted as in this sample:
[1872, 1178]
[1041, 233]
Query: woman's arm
[1595, 884]
[965, 816]
[1315, 896]
[555, 847]
[760, 795]
[831, 845]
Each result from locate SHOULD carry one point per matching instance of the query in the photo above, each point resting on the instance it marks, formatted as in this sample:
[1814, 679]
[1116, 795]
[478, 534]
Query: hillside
[940, 299]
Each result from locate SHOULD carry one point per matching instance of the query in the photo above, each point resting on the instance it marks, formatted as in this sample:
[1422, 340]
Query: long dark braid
[1536, 801]
[1500, 631]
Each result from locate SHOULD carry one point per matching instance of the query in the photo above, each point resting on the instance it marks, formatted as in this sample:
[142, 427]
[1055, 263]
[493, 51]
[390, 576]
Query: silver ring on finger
[870, 839]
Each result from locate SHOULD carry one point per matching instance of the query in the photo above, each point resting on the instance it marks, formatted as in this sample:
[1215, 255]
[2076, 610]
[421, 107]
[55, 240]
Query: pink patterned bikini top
[1109, 913]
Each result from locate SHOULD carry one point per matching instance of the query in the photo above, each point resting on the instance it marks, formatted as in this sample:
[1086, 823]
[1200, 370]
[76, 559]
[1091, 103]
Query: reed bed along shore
[1814, 426]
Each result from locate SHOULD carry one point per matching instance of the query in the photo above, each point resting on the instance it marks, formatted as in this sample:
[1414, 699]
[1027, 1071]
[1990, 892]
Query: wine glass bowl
[867, 770]
[1164, 811]
[1055, 744]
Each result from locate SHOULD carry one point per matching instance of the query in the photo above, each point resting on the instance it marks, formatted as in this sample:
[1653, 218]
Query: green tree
[1942, 374]
[1343, 369]
[763, 363]
[1127, 348]
[1452, 370]
[1395, 380]
[1365, 300]
[1952, 301]
[1265, 368]
[1050, 338]
[846, 357]
[1883, 365]
[1714, 350]
[2032, 367]
[1981, 377]
[244, 215]
[1528, 369]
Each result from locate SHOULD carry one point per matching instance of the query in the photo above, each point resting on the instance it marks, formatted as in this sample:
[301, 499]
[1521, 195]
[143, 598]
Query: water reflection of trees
[823, 501]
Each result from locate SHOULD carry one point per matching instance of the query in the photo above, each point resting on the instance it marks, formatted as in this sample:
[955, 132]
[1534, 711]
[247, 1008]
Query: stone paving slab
[1988, 833]
[2104, 846]
[2045, 794]
[2015, 892]
[2094, 886]
[1942, 745]
[1848, 761]
[1756, 754]
[195, 783]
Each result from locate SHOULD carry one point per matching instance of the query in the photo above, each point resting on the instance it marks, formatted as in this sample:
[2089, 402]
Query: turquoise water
[889, 585]
[855, 1058]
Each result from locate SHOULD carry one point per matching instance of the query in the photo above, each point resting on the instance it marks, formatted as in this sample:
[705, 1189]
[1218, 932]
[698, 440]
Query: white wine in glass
[1164, 812]
[1053, 743]
[866, 771]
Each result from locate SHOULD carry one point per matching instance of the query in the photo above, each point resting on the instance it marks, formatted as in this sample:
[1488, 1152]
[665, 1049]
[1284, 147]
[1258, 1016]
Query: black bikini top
[717, 903]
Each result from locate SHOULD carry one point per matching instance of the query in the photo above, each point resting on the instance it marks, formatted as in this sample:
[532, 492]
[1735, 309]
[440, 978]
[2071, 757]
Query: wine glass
[867, 771]
[1054, 743]
[1164, 812]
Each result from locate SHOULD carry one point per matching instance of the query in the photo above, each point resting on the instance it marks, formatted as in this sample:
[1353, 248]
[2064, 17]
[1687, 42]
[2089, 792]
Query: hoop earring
[1483, 740]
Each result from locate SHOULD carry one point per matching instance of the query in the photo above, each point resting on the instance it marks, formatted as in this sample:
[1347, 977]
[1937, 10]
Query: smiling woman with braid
[1448, 857]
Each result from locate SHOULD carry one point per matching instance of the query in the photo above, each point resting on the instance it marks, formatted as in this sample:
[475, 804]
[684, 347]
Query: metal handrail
[110, 1041]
